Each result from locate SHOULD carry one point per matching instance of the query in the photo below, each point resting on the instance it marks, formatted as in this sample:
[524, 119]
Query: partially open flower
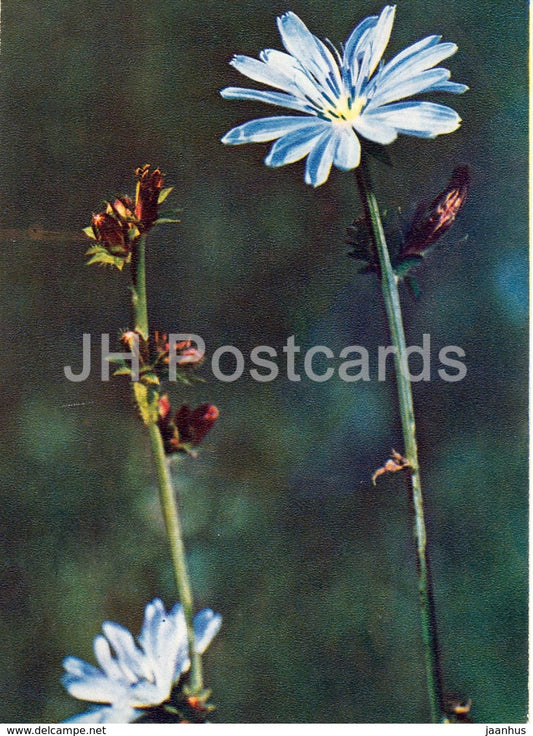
[187, 428]
[136, 676]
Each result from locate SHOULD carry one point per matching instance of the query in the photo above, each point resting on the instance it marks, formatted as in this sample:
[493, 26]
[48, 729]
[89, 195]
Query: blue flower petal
[416, 62]
[271, 98]
[128, 655]
[262, 130]
[206, 626]
[348, 150]
[454, 87]
[422, 119]
[313, 55]
[408, 87]
[353, 44]
[294, 146]
[410, 51]
[381, 37]
[377, 131]
[278, 70]
[320, 159]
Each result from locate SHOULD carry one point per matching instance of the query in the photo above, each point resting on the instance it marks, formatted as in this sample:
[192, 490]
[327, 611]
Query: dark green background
[311, 567]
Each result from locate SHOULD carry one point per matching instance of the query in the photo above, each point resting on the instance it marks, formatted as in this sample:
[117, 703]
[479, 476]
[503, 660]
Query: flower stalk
[171, 517]
[391, 297]
[138, 287]
[167, 494]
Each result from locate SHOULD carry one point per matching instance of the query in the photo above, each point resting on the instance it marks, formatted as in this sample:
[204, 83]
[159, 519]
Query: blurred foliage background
[311, 567]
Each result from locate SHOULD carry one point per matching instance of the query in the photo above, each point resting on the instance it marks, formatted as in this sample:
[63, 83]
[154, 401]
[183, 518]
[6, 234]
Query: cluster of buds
[187, 428]
[117, 228]
[181, 352]
[157, 359]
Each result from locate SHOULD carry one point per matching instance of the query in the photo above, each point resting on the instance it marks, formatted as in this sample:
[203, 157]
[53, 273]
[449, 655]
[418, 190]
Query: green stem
[167, 493]
[177, 549]
[389, 284]
[138, 289]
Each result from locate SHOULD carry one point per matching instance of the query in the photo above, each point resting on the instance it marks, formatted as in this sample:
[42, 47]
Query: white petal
[78, 668]
[105, 659]
[320, 160]
[353, 45]
[266, 129]
[312, 54]
[148, 694]
[206, 626]
[416, 62]
[376, 131]
[283, 71]
[381, 36]
[422, 119]
[408, 86]
[121, 714]
[170, 647]
[348, 150]
[453, 87]
[411, 51]
[263, 73]
[129, 658]
[153, 614]
[271, 98]
[96, 688]
[294, 146]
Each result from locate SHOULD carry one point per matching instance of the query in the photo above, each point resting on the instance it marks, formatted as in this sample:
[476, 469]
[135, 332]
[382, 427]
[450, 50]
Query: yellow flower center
[346, 110]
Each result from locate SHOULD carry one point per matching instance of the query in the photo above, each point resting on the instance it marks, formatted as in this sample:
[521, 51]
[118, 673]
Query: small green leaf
[122, 371]
[149, 377]
[413, 287]
[89, 232]
[163, 194]
[104, 258]
[166, 220]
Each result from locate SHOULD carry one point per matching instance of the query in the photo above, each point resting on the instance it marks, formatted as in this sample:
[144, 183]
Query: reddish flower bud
[149, 186]
[135, 342]
[185, 353]
[188, 428]
[164, 406]
[193, 425]
[110, 233]
[431, 222]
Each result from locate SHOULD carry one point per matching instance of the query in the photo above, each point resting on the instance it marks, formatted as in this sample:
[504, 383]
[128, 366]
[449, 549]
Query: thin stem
[173, 527]
[138, 288]
[389, 284]
[167, 493]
